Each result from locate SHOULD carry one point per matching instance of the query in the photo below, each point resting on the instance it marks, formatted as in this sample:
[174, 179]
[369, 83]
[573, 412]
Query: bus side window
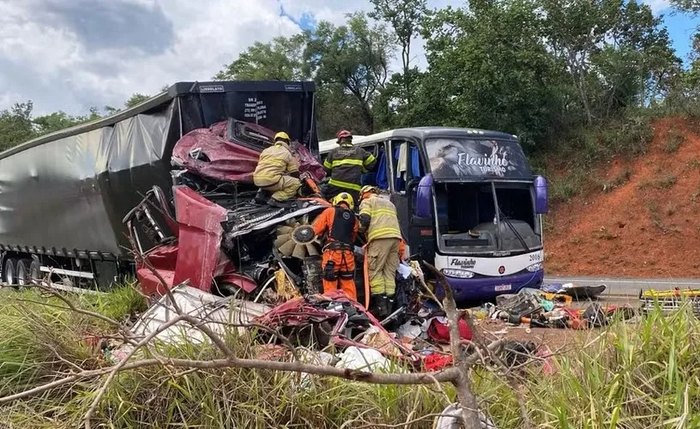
[382, 170]
[407, 164]
[370, 177]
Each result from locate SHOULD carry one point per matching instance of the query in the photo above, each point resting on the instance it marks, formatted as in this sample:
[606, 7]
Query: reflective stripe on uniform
[383, 222]
[370, 159]
[389, 231]
[346, 185]
[339, 162]
[326, 163]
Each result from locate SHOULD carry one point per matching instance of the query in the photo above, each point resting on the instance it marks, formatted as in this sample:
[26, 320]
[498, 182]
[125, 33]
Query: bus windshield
[456, 159]
[486, 217]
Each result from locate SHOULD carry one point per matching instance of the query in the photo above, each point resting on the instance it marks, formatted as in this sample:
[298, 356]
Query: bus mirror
[424, 197]
[541, 195]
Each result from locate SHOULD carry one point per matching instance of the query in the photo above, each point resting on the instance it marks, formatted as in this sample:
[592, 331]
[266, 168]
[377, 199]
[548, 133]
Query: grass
[662, 182]
[674, 140]
[644, 374]
[576, 155]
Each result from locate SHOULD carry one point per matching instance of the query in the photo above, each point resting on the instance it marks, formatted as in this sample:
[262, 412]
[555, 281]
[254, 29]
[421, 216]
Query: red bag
[439, 330]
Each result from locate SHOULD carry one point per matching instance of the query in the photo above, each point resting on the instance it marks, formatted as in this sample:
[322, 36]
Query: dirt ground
[648, 226]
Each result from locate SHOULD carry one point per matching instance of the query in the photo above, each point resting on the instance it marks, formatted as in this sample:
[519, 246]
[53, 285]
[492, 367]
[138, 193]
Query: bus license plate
[501, 288]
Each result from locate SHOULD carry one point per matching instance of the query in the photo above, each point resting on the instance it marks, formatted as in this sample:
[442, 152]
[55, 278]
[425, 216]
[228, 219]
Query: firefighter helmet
[343, 135]
[344, 197]
[282, 136]
[368, 189]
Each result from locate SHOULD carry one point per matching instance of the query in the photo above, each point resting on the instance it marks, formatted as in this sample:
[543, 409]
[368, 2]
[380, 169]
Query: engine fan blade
[287, 248]
[299, 251]
[312, 250]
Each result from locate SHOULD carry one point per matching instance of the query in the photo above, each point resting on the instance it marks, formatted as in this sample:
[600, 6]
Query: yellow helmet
[344, 197]
[368, 189]
[282, 136]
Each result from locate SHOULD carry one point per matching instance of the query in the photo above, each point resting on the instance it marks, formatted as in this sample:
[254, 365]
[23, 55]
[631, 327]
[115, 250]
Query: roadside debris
[670, 300]
[217, 313]
[575, 291]
[547, 309]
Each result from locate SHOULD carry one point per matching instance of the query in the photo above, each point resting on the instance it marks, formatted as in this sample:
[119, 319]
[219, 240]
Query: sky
[71, 55]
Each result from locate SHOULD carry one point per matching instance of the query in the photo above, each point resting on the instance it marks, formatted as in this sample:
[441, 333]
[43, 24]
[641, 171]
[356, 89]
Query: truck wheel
[24, 277]
[9, 271]
[35, 270]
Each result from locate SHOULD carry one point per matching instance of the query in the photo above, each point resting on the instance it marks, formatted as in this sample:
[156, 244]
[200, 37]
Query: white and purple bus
[467, 202]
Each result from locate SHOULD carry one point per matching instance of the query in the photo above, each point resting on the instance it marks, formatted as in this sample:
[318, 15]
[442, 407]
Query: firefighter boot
[380, 306]
[261, 197]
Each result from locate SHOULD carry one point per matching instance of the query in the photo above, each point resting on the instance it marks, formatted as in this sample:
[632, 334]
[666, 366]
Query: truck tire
[24, 277]
[9, 271]
[35, 270]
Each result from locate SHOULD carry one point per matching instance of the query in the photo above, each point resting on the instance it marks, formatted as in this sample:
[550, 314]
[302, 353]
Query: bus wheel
[24, 277]
[9, 271]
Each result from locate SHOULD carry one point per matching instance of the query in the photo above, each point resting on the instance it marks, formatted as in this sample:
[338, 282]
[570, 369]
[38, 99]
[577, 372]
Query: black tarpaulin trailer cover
[66, 193]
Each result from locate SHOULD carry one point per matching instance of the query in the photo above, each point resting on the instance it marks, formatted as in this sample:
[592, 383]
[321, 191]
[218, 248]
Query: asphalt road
[626, 287]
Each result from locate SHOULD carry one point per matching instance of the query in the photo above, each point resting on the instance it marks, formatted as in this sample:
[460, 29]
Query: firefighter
[384, 249]
[277, 172]
[345, 165]
[338, 262]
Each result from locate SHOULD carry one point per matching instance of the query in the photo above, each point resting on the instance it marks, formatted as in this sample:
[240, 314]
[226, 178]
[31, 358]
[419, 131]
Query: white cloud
[658, 5]
[50, 62]
[51, 66]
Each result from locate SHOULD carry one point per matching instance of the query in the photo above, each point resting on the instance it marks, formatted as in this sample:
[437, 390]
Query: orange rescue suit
[338, 262]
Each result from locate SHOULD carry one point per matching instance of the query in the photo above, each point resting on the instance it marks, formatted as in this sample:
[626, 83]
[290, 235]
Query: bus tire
[9, 271]
[24, 277]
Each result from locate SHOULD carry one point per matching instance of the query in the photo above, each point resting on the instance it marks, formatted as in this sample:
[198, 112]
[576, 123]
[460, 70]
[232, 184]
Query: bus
[467, 202]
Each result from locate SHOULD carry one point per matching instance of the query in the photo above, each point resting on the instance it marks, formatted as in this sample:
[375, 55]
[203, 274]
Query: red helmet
[343, 134]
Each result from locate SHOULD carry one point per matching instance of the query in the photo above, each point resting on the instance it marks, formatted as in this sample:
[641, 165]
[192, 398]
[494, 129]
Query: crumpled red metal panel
[304, 310]
[199, 253]
[162, 260]
[220, 157]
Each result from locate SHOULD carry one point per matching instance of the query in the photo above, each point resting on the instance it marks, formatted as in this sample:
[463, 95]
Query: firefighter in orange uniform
[338, 261]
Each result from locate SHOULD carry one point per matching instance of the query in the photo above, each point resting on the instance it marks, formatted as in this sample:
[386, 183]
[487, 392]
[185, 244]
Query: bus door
[406, 170]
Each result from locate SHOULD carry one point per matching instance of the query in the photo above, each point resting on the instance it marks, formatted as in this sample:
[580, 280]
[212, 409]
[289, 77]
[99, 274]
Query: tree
[54, 122]
[16, 125]
[405, 17]
[351, 60]
[687, 5]
[136, 99]
[280, 59]
[489, 68]
[614, 51]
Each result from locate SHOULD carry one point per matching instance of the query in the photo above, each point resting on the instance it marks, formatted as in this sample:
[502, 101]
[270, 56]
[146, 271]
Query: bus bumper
[486, 288]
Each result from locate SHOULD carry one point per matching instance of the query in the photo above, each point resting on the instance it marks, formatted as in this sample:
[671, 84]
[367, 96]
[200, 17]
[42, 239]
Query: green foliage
[661, 182]
[488, 68]
[575, 153]
[281, 59]
[639, 374]
[16, 125]
[674, 140]
[351, 62]
[687, 5]
[135, 99]
[405, 18]
[40, 339]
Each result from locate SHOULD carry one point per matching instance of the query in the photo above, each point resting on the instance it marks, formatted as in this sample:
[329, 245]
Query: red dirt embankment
[647, 225]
